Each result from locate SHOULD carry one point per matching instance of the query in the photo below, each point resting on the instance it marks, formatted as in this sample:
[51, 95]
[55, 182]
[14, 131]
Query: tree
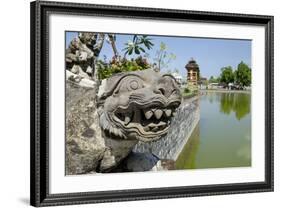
[122, 65]
[163, 58]
[97, 49]
[111, 40]
[243, 75]
[214, 79]
[227, 75]
[138, 44]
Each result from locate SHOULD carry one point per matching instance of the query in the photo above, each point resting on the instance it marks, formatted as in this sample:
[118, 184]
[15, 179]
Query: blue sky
[210, 54]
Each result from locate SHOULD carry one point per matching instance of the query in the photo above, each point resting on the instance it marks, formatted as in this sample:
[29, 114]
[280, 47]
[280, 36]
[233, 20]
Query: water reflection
[186, 159]
[243, 151]
[239, 103]
[222, 138]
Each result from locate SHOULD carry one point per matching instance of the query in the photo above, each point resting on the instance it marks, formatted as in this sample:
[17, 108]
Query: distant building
[203, 83]
[192, 72]
[203, 80]
[214, 85]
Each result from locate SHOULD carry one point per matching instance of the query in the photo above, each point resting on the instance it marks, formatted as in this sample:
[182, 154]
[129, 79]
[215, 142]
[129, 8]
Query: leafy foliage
[138, 45]
[227, 75]
[240, 104]
[214, 80]
[163, 58]
[186, 90]
[106, 70]
[243, 75]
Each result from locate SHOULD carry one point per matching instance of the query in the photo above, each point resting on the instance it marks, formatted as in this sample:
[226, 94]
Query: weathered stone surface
[138, 105]
[87, 149]
[84, 144]
[138, 162]
[80, 81]
[182, 125]
[80, 109]
[82, 53]
[83, 154]
[116, 151]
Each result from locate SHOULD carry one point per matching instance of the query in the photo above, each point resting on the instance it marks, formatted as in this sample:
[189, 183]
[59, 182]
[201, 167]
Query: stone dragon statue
[135, 106]
[138, 105]
[131, 107]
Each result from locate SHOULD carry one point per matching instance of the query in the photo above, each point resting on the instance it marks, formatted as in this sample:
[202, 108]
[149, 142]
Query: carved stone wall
[182, 125]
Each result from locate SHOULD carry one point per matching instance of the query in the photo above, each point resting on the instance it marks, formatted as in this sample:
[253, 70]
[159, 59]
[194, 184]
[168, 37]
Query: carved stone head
[138, 105]
[88, 38]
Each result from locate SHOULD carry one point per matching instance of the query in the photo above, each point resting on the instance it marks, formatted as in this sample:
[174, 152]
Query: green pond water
[222, 137]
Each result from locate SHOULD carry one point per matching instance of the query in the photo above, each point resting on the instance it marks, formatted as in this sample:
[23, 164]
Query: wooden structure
[192, 72]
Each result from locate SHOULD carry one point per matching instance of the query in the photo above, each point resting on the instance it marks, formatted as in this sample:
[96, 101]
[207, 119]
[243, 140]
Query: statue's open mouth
[146, 120]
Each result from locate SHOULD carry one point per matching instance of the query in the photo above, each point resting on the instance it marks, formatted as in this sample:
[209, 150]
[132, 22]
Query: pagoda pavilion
[192, 72]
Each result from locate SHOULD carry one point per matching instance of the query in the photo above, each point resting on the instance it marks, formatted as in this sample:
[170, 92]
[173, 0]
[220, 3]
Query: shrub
[106, 70]
[186, 90]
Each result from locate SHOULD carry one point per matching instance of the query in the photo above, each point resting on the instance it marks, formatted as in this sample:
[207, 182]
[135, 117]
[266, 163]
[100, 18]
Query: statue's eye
[133, 85]
[129, 83]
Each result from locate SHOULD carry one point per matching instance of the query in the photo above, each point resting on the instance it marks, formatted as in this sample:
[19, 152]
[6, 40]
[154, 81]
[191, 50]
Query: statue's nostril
[159, 90]
[162, 91]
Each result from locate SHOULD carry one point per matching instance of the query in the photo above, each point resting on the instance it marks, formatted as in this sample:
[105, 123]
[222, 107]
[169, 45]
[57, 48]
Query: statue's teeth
[148, 114]
[161, 123]
[127, 120]
[158, 113]
[168, 112]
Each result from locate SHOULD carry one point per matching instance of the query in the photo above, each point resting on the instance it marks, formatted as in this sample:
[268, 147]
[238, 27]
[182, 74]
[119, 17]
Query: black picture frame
[39, 187]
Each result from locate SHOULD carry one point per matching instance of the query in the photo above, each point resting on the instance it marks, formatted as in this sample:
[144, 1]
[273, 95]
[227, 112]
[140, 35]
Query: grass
[189, 92]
